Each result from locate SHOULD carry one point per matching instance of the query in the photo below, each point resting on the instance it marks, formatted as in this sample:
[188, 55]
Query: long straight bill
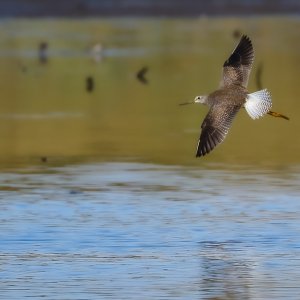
[185, 103]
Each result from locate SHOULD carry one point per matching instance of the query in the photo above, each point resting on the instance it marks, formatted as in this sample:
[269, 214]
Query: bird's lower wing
[215, 127]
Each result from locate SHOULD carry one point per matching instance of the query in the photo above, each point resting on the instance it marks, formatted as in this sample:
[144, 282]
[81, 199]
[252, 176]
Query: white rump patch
[258, 103]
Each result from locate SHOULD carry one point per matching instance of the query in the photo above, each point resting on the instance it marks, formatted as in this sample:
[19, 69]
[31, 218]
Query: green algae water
[46, 110]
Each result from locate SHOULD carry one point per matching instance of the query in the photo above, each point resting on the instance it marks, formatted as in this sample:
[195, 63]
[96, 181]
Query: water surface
[128, 230]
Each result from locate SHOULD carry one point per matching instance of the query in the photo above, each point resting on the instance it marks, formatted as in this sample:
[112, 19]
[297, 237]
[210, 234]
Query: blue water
[144, 231]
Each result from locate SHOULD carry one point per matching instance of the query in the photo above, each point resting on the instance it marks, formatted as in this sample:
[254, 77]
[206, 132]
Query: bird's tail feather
[258, 104]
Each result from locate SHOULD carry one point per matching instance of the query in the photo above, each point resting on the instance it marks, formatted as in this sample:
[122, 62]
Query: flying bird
[232, 95]
[43, 57]
[140, 75]
[89, 84]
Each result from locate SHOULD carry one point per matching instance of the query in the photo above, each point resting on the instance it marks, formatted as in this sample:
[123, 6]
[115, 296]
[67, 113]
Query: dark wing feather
[237, 67]
[215, 127]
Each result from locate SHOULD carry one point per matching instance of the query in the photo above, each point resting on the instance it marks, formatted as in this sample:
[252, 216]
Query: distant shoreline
[146, 8]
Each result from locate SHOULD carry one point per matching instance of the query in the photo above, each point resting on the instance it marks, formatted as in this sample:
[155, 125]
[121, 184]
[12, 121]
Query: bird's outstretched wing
[215, 127]
[237, 67]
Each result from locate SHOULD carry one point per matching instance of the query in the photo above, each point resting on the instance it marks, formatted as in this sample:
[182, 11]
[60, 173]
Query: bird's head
[200, 99]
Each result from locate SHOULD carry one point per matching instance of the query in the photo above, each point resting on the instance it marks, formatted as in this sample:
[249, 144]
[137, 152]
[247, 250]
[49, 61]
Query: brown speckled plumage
[225, 102]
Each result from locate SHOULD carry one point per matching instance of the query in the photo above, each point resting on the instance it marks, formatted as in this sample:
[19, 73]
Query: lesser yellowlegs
[232, 94]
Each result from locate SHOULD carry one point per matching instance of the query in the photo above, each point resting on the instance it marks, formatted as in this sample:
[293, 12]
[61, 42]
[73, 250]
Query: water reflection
[226, 273]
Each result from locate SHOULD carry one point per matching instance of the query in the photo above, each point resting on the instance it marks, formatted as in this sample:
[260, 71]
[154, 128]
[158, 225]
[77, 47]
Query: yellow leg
[275, 114]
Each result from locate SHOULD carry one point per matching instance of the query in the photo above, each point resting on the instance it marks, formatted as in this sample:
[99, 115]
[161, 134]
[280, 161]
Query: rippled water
[132, 231]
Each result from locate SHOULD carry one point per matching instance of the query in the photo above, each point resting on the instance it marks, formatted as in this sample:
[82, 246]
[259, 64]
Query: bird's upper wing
[237, 67]
[215, 127]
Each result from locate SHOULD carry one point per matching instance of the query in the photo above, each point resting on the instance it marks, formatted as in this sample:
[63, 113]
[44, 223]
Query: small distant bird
[43, 52]
[259, 86]
[97, 52]
[236, 34]
[232, 95]
[23, 68]
[258, 76]
[44, 159]
[89, 84]
[140, 75]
